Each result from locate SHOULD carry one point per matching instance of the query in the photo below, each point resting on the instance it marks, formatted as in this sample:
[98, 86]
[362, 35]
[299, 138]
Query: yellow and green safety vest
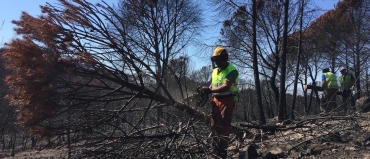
[346, 82]
[331, 80]
[219, 77]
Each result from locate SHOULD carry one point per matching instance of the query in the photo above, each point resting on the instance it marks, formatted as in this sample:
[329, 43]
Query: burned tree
[88, 72]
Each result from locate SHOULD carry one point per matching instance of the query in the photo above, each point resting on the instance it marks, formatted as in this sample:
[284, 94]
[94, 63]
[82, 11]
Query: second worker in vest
[224, 96]
[346, 83]
[330, 86]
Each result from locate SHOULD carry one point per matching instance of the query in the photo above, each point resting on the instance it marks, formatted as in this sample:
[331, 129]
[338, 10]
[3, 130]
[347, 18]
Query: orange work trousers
[222, 110]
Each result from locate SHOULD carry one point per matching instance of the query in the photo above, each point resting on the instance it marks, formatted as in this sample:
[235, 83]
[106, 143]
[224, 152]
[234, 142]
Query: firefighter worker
[224, 96]
[330, 86]
[346, 83]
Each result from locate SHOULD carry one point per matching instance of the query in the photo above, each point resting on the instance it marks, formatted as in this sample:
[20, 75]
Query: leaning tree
[96, 74]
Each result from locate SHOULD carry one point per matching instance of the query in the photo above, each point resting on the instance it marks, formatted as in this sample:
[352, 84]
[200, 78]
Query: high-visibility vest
[331, 80]
[346, 82]
[219, 77]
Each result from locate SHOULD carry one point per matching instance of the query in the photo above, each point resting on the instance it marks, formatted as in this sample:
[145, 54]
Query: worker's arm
[223, 88]
[323, 84]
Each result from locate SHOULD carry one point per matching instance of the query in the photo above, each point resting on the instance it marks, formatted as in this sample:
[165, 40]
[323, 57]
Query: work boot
[219, 146]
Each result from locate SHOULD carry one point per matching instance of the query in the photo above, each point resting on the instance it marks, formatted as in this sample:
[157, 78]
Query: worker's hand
[205, 90]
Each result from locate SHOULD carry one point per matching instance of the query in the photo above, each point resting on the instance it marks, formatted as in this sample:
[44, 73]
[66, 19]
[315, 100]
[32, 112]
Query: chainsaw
[202, 97]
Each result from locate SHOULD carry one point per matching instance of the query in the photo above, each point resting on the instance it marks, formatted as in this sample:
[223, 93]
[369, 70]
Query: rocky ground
[54, 153]
[327, 136]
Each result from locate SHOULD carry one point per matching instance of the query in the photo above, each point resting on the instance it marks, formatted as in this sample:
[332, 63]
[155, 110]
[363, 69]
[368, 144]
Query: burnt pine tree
[8, 126]
[159, 30]
[87, 72]
[282, 102]
[255, 63]
[237, 33]
[296, 71]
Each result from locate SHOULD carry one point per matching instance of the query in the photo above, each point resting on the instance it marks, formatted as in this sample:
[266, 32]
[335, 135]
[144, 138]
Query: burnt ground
[329, 136]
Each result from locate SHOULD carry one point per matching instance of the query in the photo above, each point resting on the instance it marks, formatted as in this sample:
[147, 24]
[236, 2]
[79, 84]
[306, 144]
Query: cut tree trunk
[313, 87]
[317, 88]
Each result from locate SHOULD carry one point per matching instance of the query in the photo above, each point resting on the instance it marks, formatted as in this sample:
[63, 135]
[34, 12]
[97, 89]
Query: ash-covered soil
[331, 136]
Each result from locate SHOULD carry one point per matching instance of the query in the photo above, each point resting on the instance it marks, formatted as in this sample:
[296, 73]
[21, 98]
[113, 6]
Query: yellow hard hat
[219, 52]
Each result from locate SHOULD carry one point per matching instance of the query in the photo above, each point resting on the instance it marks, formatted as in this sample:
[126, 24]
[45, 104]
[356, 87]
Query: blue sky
[12, 9]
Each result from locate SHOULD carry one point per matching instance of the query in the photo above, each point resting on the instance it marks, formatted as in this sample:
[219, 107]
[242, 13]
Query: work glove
[205, 90]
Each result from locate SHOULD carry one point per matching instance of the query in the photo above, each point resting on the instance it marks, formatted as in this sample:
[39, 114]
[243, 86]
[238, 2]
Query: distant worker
[330, 86]
[224, 90]
[346, 83]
